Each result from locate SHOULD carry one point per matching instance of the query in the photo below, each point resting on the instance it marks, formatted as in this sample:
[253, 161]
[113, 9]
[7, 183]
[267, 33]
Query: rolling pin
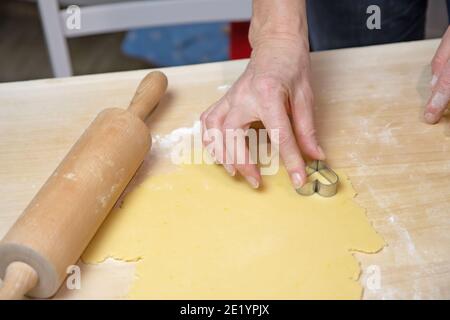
[62, 218]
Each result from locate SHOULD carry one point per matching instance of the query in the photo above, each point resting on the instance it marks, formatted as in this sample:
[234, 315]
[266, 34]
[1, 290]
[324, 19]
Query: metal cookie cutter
[316, 186]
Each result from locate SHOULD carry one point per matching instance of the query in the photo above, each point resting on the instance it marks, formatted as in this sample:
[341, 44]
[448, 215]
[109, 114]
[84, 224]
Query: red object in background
[239, 45]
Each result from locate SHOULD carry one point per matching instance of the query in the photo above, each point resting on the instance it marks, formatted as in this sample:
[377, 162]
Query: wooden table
[369, 103]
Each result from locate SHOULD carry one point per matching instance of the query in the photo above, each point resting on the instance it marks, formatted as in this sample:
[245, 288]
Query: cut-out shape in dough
[199, 234]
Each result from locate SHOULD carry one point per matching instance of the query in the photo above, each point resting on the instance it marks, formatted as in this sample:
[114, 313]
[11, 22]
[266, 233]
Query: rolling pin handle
[19, 279]
[148, 94]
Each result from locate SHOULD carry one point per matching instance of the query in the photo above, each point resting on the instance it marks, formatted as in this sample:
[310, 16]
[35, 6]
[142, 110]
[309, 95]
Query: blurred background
[126, 35]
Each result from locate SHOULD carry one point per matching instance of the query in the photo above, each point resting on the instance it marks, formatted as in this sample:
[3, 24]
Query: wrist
[283, 21]
[285, 39]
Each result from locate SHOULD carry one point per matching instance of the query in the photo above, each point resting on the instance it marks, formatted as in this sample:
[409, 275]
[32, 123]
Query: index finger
[278, 122]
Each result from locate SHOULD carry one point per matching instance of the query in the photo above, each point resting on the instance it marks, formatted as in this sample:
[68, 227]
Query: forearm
[278, 20]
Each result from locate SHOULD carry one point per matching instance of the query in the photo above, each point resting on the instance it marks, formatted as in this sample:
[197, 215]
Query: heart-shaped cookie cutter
[316, 186]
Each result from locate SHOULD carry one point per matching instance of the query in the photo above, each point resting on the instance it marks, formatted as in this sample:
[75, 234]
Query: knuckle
[444, 81]
[268, 86]
[211, 121]
[309, 94]
[308, 132]
[284, 137]
[437, 62]
[304, 97]
[305, 87]
[228, 124]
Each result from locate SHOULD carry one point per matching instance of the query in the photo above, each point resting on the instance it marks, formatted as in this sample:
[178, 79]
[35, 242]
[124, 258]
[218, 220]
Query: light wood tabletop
[369, 103]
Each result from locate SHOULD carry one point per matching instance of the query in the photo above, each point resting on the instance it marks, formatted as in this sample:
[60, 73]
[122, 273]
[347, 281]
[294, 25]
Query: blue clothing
[339, 24]
[179, 45]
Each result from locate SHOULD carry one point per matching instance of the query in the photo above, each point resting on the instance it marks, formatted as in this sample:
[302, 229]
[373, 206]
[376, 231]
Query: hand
[275, 90]
[440, 83]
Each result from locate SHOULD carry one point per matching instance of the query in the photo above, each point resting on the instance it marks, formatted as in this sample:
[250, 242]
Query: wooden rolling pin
[58, 224]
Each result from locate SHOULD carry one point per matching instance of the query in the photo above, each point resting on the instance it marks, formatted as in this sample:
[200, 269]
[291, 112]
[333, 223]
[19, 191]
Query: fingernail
[438, 101]
[296, 180]
[230, 169]
[434, 79]
[253, 182]
[321, 153]
[429, 117]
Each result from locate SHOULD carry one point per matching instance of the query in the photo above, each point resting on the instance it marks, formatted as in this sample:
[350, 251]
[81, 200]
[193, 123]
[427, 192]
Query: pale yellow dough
[199, 234]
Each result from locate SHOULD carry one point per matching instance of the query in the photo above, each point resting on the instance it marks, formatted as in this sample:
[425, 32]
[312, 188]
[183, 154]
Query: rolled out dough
[199, 234]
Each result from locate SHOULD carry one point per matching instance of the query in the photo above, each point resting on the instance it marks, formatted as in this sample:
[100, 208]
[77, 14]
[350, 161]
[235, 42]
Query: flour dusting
[168, 141]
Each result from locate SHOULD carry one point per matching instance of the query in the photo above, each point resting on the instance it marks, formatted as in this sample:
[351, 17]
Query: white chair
[121, 16]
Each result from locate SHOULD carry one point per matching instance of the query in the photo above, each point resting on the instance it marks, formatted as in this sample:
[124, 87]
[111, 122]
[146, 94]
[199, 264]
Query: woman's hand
[274, 89]
[440, 83]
